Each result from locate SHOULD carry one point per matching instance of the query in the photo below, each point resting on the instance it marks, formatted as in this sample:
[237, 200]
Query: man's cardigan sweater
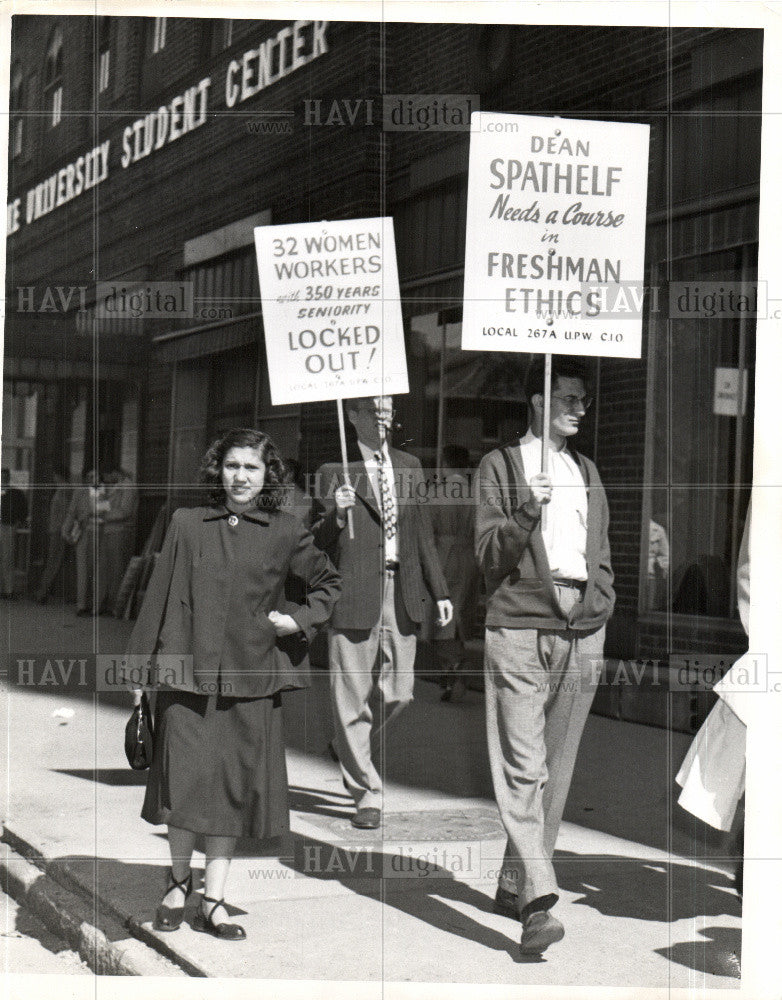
[520, 590]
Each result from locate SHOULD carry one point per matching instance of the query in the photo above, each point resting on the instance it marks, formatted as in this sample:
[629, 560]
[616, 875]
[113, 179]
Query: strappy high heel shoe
[169, 918]
[226, 932]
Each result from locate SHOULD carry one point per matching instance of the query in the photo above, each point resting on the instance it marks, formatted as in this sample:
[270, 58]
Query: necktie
[386, 498]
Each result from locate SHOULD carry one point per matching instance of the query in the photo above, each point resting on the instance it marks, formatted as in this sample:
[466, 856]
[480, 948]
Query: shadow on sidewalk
[646, 890]
[116, 776]
[320, 802]
[443, 897]
[719, 953]
[429, 892]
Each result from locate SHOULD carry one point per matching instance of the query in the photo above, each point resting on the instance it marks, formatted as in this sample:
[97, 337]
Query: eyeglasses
[377, 414]
[573, 402]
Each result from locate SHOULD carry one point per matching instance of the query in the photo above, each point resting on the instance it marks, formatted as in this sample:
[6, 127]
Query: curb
[109, 950]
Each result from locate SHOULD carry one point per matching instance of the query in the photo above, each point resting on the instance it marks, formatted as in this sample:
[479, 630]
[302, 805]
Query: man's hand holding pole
[345, 499]
[540, 494]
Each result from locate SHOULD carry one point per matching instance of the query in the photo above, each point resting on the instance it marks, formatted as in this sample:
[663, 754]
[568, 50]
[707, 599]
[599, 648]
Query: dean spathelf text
[557, 178]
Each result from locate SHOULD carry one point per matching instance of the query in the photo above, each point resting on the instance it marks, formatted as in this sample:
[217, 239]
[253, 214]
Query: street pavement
[646, 893]
[29, 947]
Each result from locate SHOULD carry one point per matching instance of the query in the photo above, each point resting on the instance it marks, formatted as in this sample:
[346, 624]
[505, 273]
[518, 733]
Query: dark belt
[392, 565]
[575, 584]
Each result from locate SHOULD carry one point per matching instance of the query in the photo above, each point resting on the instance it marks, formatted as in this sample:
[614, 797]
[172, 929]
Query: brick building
[146, 150]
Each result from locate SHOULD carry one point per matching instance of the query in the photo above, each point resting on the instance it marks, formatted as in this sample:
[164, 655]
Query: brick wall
[138, 219]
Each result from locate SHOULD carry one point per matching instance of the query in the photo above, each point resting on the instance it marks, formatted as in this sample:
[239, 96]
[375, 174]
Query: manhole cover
[481, 823]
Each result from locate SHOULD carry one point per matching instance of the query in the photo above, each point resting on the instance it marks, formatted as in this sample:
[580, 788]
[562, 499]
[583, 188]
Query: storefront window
[224, 287]
[701, 463]
[212, 394]
[460, 397]
[20, 414]
[232, 390]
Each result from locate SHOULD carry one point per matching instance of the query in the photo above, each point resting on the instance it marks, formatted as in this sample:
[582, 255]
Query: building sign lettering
[171, 121]
[279, 56]
[291, 48]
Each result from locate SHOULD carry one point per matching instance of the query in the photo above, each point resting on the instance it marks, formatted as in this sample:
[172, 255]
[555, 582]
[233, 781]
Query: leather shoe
[203, 923]
[366, 819]
[540, 930]
[506, 903]
[169, 918]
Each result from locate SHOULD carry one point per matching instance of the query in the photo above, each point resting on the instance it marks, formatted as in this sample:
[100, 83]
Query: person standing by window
[13, 514]
[119, 535]
[82, 528]
[55, 550]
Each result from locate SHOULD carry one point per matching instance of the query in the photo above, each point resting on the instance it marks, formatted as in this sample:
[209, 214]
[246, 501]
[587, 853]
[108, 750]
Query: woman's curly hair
[211, 470]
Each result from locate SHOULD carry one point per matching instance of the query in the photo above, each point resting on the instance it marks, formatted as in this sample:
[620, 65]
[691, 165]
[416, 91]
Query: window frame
[158, 35]
[16, 105]
[657, 328]
[53, 85]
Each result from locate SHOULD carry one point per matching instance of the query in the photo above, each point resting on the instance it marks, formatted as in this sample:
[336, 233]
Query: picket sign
[556, 229]
[332, 313]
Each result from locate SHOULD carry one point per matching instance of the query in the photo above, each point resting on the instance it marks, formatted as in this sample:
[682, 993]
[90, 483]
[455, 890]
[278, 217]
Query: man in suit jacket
[385, 569]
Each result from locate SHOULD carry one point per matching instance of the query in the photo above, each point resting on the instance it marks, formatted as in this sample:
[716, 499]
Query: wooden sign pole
[344, 447]
[546, 426]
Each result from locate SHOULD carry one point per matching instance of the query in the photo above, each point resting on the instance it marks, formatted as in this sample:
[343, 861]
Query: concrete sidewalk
[646, 898]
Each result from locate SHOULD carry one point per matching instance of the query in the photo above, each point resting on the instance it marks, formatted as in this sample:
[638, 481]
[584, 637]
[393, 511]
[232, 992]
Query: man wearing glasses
[386, 568]
[549, 594]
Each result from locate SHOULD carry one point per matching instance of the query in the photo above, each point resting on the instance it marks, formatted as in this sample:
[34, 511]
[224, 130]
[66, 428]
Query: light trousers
[540, 685]
[371, 680]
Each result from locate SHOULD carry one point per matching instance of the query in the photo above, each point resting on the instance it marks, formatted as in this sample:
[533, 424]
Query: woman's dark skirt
[219, 766]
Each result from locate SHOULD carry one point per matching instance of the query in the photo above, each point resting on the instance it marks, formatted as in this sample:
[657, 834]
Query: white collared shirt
[391, 549]
[565, 533]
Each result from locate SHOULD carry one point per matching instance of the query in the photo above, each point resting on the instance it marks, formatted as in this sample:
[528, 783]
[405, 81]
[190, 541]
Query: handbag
[139, 736]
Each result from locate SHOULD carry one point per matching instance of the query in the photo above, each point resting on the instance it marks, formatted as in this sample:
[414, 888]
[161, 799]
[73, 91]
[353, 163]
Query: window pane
[104, 72]
[483, 401]
[57, 106]
[701, 407]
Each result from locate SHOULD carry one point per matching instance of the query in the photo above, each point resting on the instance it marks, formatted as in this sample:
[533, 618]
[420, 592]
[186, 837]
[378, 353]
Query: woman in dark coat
[238, 590]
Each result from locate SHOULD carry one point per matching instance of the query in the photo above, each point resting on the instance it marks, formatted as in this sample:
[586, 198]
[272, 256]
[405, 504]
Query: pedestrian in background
[56, 544]
[119, 536]
[13, 514]
[216, 604]
[453, 523]
[82, 528]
